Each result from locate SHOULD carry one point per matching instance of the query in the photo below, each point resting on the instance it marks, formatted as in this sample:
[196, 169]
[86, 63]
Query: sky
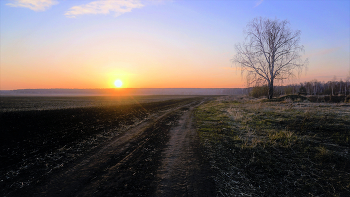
[157, 43]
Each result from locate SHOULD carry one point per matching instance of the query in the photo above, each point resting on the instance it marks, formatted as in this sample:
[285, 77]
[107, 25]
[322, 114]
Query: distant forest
[314, 87]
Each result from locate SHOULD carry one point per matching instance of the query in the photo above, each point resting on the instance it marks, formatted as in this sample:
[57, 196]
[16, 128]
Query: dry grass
[277, 149]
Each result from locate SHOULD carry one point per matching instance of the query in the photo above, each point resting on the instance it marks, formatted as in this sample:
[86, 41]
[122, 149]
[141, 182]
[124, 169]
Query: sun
[118, 83]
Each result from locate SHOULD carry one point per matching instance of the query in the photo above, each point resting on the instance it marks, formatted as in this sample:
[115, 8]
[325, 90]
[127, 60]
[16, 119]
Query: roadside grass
[285, 148]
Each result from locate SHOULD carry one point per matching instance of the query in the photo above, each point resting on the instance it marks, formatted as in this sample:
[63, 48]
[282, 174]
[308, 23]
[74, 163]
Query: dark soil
[94, 151]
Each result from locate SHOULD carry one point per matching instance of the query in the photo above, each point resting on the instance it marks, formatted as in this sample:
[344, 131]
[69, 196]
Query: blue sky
[156, 43]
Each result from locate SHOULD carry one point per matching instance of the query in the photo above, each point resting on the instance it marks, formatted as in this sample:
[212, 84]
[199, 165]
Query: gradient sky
[156, 43]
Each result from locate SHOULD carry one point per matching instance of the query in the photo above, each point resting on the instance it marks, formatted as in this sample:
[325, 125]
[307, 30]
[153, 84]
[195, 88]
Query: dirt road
[159, 157]
[183, 171]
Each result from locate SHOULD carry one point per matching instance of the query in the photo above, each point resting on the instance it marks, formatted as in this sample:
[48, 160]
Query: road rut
[183, 171]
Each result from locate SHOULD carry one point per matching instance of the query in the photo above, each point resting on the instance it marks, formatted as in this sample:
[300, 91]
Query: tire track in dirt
[183, 171]
[39, 144]
[125, 166]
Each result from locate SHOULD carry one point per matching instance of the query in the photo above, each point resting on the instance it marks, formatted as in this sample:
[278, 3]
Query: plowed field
[144, 149]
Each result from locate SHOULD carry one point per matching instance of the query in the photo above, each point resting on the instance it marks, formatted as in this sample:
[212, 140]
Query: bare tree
[346, 85]
[315, 86]
[271, 51]
[333, 84]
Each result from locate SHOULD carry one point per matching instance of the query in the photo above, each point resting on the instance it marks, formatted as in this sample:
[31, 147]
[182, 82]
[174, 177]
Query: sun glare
[118, 83]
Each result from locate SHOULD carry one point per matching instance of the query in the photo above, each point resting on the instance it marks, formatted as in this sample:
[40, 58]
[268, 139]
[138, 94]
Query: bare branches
[270, 52]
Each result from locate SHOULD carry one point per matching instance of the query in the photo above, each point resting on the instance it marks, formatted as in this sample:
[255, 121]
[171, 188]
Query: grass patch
[281, 148]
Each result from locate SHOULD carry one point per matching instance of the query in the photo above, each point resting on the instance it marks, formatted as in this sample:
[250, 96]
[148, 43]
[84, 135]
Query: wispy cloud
[117, 7]
[258, 3]
[36, 5]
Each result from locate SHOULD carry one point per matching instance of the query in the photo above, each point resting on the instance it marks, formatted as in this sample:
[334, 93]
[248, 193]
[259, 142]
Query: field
[286, 148]
[173, 146]
[60, 146]
[29, 103]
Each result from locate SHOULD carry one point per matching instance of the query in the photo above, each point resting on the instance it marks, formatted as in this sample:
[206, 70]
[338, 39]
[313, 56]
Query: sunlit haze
[156, 43]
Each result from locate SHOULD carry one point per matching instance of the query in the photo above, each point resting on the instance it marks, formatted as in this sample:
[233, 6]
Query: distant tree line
[314, 87]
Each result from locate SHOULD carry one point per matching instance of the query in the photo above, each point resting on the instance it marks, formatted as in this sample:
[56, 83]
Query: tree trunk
[270, 90]
[332, 90]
